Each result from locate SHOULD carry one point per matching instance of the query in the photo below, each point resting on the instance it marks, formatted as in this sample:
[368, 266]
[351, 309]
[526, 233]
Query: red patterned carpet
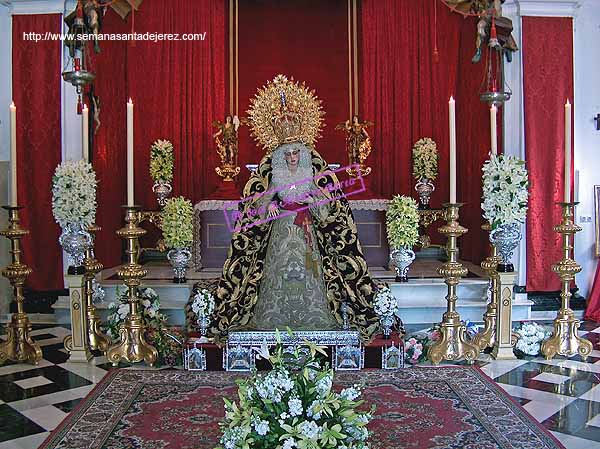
[417, 408]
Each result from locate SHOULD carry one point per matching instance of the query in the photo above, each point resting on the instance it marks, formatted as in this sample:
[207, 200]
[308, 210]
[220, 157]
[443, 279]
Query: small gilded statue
[226, 139]
[358, 144]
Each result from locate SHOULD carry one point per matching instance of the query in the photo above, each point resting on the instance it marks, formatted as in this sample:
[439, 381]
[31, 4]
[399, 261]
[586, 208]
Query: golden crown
[284, 111]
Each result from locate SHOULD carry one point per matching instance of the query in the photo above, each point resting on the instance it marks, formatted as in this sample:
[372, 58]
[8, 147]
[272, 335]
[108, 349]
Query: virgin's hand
[273, 211]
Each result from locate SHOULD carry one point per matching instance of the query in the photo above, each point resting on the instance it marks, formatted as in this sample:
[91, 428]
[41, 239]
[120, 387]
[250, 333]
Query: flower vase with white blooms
[178, 233]
[203, 306]
[74, 209]
[386, 307]
[505, 195]
[294, 406]
[425, 168]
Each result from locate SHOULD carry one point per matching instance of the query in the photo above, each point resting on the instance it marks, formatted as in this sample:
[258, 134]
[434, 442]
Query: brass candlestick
[452, 344]
[487, 337]
[565, 339]
[19, 346]
[97, 340]
[132, 345]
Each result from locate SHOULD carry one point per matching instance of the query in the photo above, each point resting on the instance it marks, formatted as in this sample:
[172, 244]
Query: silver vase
[506, 238]
[387, 322]
[74, 241]
[180, 261]
[401, 258]
[162, 190]
[424, 188]
[203, 322]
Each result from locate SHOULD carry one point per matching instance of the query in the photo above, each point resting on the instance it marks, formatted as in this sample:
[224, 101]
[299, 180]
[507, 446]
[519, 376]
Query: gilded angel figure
[358, 142]
[226, 139]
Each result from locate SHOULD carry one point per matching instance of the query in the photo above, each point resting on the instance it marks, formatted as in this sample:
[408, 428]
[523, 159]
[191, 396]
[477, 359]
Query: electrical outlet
[585, 219]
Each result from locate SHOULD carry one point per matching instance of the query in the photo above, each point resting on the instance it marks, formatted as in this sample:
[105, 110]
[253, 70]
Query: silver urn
[74, 241]
[180, 261]
[162, 190]
[506, 238]
[424, 188]
[387, 321]
[400, 259]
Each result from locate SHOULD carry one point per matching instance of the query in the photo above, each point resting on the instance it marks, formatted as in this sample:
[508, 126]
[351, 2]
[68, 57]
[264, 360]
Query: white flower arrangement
[161, 161]
[402, 221]
[177, 223]
[294, 406]
[74, 194]
[505, 194]
[386, 304]
[425, 159]
[203, 303]
[150, 303]
[531, 335]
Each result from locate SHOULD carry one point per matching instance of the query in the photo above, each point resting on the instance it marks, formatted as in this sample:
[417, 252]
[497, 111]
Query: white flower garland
[74, 194]
[505, 194]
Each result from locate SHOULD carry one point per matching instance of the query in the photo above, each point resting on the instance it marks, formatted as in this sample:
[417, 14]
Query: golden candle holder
[453, 344]
[565, 339]
[97, 340]
[19, 346]
[132, 345]
[487, 337]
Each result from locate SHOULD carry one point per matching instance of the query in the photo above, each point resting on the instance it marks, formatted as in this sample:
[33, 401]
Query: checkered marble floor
[562, 394]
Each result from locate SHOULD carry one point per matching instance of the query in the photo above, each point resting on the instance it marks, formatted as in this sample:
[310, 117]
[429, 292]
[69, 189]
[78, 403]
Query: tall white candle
[130, 201]
[13, 154]
[494, 132]
[567, 152]
[452, 123]
[85, 133]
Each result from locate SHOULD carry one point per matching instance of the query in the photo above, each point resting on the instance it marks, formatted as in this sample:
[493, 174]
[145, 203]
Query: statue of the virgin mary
[296, 261]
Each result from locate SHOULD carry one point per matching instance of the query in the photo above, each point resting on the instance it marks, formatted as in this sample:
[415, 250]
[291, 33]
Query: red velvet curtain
[178, 89]
[547, 83]
[406, 92]
[36, 80]
[304, 39]
[592, 311]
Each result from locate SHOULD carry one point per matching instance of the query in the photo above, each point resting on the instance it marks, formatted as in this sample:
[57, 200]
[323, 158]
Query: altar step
[421, 301]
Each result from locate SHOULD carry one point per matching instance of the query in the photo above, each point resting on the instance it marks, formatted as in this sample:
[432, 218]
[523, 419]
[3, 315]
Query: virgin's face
[292, 157]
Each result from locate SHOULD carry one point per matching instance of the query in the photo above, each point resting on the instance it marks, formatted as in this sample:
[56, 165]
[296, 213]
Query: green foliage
[402, 220]
[425, 159]
[161, 161]
[177, 223]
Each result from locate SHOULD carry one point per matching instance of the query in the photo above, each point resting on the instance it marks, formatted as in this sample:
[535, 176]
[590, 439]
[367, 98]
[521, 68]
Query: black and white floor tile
[562, 394]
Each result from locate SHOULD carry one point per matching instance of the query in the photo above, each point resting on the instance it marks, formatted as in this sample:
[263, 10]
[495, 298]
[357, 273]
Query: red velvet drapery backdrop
[36, 68]
[592, 311]
[547, 83]
[178, 89]
[304, 39]
[405, 92]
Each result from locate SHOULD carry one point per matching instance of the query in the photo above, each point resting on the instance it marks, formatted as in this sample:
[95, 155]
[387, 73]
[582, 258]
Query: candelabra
[452, 344]
[19, 346]
[487, 337]
[97, 340]
[564, 339]
[132, 345]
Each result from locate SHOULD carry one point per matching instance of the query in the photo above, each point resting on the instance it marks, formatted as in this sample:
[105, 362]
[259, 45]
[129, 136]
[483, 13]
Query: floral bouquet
[425, 159]
[294, 406]
[161, 161]
[402, 221]
[74, 194]
[203, 306]
[531, 335]
[505, 184]
[177, 223]
[154, 323]
[386, 307]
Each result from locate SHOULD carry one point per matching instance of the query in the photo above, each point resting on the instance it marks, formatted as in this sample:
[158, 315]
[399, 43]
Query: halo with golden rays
[282, 98]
